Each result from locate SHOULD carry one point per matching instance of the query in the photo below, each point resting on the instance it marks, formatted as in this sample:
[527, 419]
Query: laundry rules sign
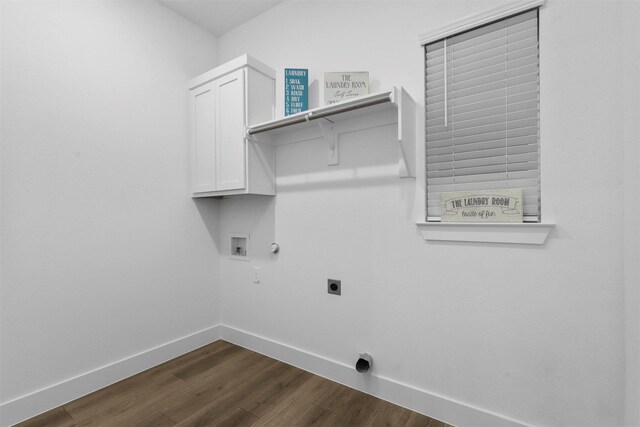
[482, 206]
[296, 90]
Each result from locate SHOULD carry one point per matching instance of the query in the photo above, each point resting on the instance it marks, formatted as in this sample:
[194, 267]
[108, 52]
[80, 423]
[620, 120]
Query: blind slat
[526, 65]
[500, 116]
[513, 51]
[491, 84]
[525, 161]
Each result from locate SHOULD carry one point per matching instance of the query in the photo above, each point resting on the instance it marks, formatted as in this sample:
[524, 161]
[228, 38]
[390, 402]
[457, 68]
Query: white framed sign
[342, 86]
[504, 205]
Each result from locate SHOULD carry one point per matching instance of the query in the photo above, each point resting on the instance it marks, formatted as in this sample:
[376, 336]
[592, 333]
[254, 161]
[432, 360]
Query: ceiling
[219, 16]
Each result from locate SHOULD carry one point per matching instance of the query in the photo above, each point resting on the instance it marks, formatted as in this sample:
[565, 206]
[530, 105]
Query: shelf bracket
[249, 136]
[406, 132]
[330, 137]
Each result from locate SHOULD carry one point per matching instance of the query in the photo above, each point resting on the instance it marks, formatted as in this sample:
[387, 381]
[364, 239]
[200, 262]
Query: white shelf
[520, 233]
[393, 106]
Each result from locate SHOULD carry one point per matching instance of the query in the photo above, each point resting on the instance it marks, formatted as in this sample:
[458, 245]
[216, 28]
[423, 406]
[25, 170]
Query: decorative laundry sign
[296, 90]
[482, 206]
[344, 86]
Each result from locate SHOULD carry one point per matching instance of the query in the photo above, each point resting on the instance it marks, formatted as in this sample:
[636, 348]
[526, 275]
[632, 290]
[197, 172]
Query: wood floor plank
[222, 384]
[99, 411]
[267, 394]
[150, 420]
[240, 417]
[217, 385]
[419, 420]
[181, 361]
[57, 417]
[312, 416]
[112, 396]
[303, 397]
[135, 407]
[148, 409]
[198, 391]
[317, 389]
[386, 414]
[203, 364]
[335, 397]
[236, 417]
[358, 410]
[298, 412]
[226, 403]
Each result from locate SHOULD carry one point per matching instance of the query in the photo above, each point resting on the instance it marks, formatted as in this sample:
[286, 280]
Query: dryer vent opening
[363, 365]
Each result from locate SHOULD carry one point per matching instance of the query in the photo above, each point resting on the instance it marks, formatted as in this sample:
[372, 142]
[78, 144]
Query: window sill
[518, 233]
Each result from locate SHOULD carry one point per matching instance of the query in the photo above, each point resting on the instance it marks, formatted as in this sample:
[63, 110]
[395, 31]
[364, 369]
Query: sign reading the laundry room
[296, 90]
[344, 86]
[482, 206]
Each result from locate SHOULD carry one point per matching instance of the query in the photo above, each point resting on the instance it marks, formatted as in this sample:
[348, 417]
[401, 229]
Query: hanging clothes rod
[323, 112]
[277, 125]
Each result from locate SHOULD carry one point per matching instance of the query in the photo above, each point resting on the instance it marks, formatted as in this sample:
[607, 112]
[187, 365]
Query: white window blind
[482, 112]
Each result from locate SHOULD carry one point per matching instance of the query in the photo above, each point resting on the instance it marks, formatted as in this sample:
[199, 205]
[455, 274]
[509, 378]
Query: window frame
[463, 26]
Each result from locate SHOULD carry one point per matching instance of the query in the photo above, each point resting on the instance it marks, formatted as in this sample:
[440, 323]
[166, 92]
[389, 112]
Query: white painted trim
[233, 65]
[40, 401]
[479, 19]
[520, 233]
[425, 402]
[630, 135]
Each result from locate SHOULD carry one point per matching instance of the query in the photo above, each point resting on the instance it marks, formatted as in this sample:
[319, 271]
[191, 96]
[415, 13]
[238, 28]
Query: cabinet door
[230, 132]
[203, 138]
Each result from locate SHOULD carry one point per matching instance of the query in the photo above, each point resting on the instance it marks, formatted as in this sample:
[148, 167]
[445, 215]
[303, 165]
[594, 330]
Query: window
[482, 111]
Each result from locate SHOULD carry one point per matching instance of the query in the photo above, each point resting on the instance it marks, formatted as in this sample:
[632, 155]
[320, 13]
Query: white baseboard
[422, 401]
[35, 403]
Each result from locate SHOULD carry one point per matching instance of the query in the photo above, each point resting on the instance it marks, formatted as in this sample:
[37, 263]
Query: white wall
[104, 255]
[532, 333]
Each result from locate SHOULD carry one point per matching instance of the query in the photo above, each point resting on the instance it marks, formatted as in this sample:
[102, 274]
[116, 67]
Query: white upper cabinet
[202, 134]
[224, 103]
[230, 127]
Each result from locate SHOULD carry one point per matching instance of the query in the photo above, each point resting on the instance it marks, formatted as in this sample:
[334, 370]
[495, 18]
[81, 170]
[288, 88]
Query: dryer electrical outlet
[334, 287]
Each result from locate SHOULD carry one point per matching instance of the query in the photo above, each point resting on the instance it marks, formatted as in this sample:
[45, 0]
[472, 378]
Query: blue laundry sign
[296, 90]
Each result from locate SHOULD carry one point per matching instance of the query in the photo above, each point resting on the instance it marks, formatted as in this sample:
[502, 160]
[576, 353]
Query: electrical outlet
[334, 287]
[256, 274]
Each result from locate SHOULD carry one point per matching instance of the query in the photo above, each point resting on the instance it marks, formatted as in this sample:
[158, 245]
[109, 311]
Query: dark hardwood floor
[222, 384]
